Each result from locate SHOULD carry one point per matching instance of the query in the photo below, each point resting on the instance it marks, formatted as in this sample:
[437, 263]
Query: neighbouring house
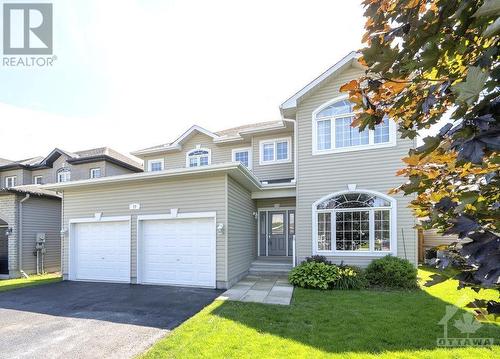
[30, 213]
[431, 238]
[214, 206]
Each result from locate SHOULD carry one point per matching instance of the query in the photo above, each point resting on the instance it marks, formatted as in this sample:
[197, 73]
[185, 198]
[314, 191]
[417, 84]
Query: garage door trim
[191, 215]
[71, 244]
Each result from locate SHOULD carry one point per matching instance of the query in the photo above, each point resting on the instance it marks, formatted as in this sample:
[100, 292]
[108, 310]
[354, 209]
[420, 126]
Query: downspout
[20, 239]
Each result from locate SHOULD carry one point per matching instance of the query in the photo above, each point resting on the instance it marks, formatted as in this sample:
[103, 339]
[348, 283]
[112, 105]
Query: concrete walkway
[261, 289]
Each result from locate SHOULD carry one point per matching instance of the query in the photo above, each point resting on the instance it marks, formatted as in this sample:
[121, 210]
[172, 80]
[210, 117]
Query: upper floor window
[198, 157]
[95, 172]
[64, 175]
[10, 181]
[332, 130]
[243, 155]
[275, 151]
[156, 165]
[37, 179]
[355, 222]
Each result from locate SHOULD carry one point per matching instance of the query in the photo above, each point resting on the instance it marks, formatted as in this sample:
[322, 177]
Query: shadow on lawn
[355, 321]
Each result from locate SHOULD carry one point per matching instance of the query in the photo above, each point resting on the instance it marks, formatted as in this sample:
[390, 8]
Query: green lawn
[9, 284]
[334, 324]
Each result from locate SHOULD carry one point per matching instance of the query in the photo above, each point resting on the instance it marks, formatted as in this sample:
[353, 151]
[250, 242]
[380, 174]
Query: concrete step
[271, 264]
[271, 272]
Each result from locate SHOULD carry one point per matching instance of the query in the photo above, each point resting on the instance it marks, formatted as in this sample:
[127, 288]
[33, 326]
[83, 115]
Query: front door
[276, 233]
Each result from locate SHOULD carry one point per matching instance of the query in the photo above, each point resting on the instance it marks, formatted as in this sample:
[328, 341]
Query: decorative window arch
[63, 175]
[358, 222]
[332, 131]
[198, 157]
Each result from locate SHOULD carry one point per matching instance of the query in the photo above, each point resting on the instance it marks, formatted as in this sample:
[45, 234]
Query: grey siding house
[29, 213]
[213, 206]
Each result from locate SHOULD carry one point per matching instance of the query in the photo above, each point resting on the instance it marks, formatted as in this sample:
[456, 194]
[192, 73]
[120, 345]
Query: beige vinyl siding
[282, 202]
[433, 239]
[371, 169]
[41, 215]
[8, 213]
[158, 196]
[220, 153]
[110, 169]
[20, 174]
[273, 171]
[242, 230]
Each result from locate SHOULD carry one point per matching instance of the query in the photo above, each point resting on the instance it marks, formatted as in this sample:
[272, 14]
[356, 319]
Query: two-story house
[214, 206]
[28, 212]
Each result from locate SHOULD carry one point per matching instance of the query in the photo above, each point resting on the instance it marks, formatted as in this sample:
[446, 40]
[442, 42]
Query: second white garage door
[178, 251]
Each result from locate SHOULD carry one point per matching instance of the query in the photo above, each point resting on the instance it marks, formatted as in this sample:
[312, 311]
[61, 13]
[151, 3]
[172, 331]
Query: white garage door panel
[178, 251]
[102, 251]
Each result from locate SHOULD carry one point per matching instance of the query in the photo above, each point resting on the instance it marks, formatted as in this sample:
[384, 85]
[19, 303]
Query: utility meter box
[40, 240]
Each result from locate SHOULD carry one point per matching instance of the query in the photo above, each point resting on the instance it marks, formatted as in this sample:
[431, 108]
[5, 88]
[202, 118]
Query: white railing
[293, 251]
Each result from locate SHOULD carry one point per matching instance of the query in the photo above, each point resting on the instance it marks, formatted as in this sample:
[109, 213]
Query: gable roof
[288, 107]
[227, 135]
[86, 156]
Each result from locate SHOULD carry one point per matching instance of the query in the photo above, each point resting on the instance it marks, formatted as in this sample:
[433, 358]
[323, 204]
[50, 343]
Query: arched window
[198, 157]
[332, 130]
[351, 222]
[64, 175]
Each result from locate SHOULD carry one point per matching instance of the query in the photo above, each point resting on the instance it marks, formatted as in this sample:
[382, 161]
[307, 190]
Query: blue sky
[133, 74]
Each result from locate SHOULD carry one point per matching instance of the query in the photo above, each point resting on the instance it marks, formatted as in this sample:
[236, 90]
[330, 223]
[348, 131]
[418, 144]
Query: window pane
[324, 231]
[382, 230]
[277, 223]
[282, 150]
[193, 162]
[291, 222]
[353, 200]
[242, 157]
[347, 136]
[352, 231]
[204, 161]
[382, 131]
[338, 108]
[268, 152]
[324, 135]
[156, 166]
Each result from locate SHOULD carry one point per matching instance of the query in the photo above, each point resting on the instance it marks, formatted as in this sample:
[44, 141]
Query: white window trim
[35, 178]
[92, 170]
[8, 179]
[371, 134]
[243, 149]
[60, 172]
[274, 160]
[156, 160]
[371, 252]
[199, 149]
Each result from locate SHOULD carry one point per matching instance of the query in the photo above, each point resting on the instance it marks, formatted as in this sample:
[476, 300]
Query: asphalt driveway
[92, 320]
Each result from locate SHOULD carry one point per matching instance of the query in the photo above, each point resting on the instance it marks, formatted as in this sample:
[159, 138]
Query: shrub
[318, 259]
[392, 272]
[349, 278]
[311, 274]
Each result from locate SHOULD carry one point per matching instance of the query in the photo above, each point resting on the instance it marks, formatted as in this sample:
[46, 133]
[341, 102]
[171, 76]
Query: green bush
[315, 275]
[392, 272]
[350, 278]
[318, 259]
[322, 275]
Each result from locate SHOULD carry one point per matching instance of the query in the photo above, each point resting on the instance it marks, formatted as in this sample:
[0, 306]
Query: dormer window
[156, 165]
[198, 157]
[333, 131]
[63, 175]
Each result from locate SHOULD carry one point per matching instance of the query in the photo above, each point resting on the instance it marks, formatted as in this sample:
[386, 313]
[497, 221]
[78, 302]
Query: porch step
[267, 266]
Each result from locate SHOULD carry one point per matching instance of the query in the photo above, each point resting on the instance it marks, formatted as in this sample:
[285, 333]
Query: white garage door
[101, 251]
[177, 252]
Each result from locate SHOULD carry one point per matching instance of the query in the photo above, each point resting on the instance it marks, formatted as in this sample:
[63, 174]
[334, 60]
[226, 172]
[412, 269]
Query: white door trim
[71, 238]
[192, 215]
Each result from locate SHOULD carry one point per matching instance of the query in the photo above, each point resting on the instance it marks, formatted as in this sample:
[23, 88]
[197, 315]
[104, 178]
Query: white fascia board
[166, 148]
[292, 101]
[234, 168]
[194, 128]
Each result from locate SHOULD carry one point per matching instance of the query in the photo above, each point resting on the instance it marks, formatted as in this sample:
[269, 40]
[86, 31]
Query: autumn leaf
[412, 160]
[352, 85]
